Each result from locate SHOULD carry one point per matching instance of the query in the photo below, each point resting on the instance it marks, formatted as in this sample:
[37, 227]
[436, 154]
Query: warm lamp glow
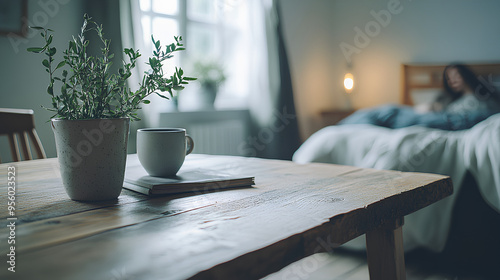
[348, 82]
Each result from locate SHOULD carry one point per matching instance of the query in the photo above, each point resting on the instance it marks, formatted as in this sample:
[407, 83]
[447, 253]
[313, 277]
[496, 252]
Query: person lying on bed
[465, 102]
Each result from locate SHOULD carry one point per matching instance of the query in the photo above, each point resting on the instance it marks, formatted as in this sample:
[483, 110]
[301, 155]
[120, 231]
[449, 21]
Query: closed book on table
[190, 178]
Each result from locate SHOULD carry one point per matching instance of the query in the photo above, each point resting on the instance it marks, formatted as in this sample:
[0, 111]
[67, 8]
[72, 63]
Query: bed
[470, 156]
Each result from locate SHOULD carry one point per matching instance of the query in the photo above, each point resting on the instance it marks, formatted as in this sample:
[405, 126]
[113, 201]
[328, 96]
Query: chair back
[19, 126]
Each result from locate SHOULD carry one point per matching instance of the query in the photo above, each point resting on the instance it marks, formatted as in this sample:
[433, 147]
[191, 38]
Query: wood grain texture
[430, 76]
[23, 138]
[20, 122]
[384, 248]
[293, 211]
[37, 144]
[332, 117]
[14, 148]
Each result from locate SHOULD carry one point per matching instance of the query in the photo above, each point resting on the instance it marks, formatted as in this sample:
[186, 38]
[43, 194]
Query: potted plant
[93, 108]
[210, 74]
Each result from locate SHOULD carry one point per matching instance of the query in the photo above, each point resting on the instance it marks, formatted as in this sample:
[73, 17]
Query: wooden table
[245, 233]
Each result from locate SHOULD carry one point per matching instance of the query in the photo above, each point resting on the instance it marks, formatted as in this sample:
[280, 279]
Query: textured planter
[92, 156]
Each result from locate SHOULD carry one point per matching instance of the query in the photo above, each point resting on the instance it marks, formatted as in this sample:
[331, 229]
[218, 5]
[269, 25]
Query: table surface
[244, 233]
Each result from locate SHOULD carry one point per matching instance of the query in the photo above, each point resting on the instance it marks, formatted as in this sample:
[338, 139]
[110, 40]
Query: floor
[346, 265]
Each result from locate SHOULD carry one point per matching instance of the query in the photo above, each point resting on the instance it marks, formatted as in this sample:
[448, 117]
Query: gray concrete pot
[92, 156]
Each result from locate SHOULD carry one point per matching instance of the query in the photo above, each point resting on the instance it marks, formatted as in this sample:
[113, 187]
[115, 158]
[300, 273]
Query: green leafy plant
[89, 91]
[210, 73]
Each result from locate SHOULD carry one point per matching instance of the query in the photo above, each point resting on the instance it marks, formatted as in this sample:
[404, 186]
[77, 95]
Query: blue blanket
[395, 116]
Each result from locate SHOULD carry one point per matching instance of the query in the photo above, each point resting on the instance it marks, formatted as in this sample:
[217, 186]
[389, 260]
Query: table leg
[384, 248]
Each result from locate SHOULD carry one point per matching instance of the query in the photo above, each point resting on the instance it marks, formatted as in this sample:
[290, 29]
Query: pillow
[424, 96]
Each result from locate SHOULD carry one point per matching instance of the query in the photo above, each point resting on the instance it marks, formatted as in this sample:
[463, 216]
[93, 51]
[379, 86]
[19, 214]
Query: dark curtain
[279, 137]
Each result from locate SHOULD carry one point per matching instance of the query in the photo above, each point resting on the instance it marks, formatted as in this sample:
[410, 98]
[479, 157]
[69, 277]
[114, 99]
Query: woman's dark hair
[480, 90]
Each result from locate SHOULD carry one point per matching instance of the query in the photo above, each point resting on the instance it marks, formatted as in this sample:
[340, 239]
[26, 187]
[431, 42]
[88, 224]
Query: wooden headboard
[421, 82]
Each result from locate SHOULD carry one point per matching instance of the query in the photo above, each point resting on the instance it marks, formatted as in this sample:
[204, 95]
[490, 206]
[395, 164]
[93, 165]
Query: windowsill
[200, 116]
[191, 100]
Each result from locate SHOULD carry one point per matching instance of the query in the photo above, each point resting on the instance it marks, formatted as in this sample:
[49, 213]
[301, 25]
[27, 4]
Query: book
[189, 179]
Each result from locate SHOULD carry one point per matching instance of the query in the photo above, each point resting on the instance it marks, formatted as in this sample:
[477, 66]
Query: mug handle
[190, 144]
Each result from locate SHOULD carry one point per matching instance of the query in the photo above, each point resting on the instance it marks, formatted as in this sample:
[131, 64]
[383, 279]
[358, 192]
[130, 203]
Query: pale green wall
[23, 81]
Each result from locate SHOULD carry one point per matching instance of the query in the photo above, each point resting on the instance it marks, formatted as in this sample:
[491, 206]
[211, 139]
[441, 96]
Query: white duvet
[418, 149]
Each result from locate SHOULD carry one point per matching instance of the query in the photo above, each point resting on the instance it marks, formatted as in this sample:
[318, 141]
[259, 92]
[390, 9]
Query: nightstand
[332, 117]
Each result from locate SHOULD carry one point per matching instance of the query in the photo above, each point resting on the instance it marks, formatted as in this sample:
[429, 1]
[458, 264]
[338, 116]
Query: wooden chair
[18, 124]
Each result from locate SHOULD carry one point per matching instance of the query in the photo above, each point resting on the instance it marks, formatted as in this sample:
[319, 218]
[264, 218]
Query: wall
[23, 81]
[422, 31]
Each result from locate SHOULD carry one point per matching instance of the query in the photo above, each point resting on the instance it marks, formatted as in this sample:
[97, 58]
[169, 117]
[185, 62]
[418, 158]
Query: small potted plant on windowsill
[210, 75]
[93, 108]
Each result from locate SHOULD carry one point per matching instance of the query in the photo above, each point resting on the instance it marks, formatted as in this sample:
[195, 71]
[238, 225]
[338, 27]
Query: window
[211, 30]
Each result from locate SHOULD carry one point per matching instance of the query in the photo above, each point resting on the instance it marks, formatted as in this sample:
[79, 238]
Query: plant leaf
[35, 50]
[89, 90]
[52, 51]
[162, 96]
[61, 64]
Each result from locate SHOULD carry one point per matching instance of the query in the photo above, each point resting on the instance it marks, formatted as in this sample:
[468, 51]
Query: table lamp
[348, 82]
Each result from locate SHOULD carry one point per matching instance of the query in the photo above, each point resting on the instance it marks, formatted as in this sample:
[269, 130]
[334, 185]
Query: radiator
[217, 138]
[214, 132]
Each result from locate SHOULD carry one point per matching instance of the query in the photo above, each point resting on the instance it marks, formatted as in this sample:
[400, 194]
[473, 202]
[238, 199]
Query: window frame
[220, 27]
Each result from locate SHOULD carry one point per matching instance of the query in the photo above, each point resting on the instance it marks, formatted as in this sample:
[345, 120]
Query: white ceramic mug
[161, 151]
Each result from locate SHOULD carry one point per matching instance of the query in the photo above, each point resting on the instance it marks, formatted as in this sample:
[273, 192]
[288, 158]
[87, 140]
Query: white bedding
[419, 149]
